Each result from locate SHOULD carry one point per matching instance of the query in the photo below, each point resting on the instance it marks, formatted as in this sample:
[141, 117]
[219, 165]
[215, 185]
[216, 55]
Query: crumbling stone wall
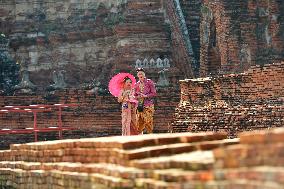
[95, 39]
[88, 39]
[238, 34]
[233, 103]
[183, 54]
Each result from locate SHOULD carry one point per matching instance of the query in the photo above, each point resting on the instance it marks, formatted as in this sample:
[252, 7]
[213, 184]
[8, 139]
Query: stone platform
[183, 160]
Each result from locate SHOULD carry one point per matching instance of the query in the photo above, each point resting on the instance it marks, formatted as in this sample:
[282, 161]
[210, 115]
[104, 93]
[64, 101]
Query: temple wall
[232, 103]
[95, 116]
[238, 34]
[90, 40]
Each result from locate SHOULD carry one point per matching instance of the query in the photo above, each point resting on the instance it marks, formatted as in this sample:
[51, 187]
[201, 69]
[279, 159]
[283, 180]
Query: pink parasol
[116, 83]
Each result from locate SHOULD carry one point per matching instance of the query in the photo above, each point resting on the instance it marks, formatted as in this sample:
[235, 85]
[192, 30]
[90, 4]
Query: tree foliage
[9, 69]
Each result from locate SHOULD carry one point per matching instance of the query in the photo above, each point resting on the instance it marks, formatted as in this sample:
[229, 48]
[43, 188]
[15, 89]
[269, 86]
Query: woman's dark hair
[126, 78]
[140, 70]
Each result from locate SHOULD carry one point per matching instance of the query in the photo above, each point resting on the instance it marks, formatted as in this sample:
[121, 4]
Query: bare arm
[135, 93]
[120, 97]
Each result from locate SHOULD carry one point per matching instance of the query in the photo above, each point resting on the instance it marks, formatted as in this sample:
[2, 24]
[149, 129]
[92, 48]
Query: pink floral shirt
[148, 89]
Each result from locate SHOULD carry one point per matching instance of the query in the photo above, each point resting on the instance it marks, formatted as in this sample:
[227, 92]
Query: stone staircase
[135, 17]
[192, 13]
[142, 34]
[147, 161]
[257, 162]
[212, 161]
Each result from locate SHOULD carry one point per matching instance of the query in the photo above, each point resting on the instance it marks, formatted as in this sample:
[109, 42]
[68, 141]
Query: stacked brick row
[204, 160]
[230, 119]
[149, 161]
[95, 115]
[257, 162]
[232, 103]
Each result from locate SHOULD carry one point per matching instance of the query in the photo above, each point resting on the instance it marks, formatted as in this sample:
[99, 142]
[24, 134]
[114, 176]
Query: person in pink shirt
[144, 91]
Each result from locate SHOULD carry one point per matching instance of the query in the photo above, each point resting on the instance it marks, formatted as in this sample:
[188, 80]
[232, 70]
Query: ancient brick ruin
[89, 40]
[238, 34]
[76, 45]
[95, 39]
[232, 103]
[205, 160]
[95, 116]
[218, 66]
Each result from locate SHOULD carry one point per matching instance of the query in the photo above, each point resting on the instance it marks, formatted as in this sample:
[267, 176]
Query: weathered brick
[232, 103]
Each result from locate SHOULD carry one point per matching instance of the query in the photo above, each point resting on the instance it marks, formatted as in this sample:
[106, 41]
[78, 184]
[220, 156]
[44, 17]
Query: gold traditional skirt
[145, 119]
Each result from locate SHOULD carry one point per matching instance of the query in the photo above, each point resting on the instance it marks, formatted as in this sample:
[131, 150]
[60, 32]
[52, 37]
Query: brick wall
[183, 60]
[232, 103]
[74, 39]
[239, 34]
[192, 14]
[95, 116]
[143, 34]
[88, 39]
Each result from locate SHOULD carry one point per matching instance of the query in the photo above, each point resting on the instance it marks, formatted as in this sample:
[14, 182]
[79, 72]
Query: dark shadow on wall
[214, 58]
